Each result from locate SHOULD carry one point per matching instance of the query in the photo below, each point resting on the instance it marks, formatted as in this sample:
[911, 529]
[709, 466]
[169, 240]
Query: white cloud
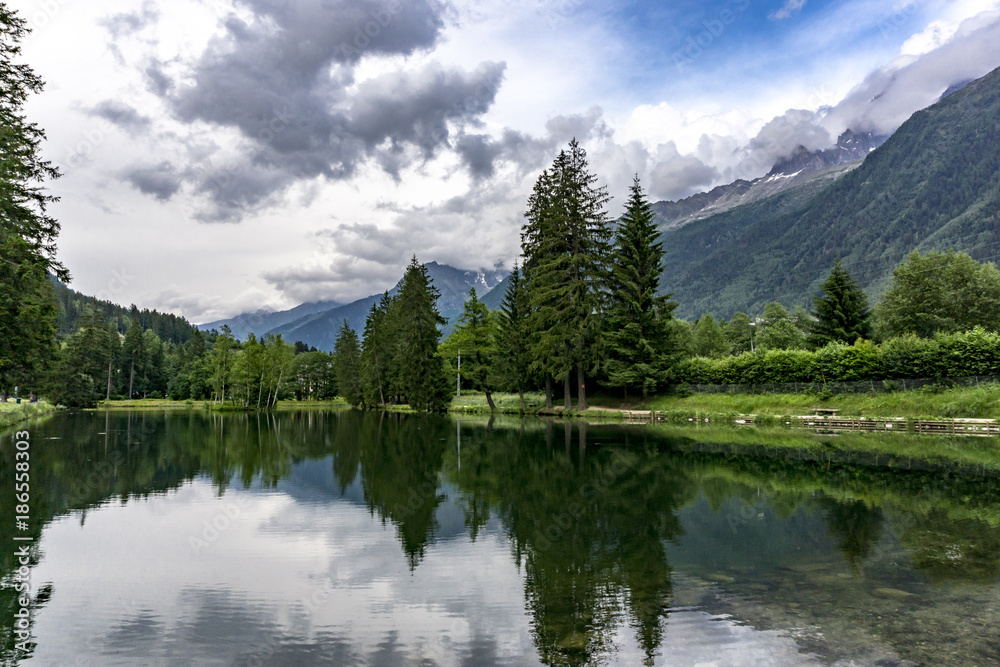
[738, 108]
[788, 9]
[934, 36]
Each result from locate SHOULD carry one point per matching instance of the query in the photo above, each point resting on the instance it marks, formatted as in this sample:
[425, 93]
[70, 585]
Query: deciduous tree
[940, 292]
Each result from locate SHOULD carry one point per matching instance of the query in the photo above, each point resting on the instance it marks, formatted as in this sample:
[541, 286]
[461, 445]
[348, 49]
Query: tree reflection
[587, 510]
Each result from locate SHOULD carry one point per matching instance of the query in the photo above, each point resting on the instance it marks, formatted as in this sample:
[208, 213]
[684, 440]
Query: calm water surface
[352, 538]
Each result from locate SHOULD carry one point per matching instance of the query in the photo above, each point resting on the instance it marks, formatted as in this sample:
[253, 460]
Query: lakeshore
[13, 413]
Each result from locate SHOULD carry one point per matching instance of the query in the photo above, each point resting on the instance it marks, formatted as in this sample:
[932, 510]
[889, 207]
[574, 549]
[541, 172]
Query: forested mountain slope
[167, 326]
[935, 184]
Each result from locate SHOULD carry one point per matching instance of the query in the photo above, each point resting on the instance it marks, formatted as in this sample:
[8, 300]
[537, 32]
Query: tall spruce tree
[377, 352]
[541, 244]
[475, 336]
[347, 364]
[28, 313]
[566, 243]
[421, 370]
[637, 335]
[513, 358]
[842, 312]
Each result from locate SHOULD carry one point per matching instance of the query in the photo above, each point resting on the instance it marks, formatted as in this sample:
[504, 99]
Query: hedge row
[975, 352]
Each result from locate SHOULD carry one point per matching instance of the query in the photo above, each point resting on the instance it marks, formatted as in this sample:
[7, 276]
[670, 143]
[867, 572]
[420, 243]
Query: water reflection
[618, 537]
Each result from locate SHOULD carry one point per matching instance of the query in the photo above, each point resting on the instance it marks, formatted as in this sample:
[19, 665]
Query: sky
[221, 157]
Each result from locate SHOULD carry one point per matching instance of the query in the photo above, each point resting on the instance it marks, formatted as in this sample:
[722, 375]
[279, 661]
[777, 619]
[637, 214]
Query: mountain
[850, 147]
[934, 184]
[804, 171]
[320, 328]
[263, 321]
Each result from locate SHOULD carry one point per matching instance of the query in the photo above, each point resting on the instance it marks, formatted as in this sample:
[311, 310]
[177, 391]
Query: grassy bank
[11, 413]
[962, 402]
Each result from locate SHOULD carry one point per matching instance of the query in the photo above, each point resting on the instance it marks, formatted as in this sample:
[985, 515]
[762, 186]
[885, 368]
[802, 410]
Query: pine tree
[541, 244]
[637, 338]
[378, 352]
[513, 360]
[421, 371]
[28, 312]
[842, 313]
[566, 243]
[475, 336]
[347, 364]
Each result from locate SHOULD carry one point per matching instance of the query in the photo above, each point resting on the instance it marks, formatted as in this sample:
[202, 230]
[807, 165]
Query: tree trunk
[131, 380]
[548, 391]
[489, 399]
[567, 393]
[108, 397]
[281, 374]
[581, 403]
[520, 395]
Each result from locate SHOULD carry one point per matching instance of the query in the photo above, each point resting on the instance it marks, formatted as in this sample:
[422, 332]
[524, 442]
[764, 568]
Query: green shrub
[975, 352]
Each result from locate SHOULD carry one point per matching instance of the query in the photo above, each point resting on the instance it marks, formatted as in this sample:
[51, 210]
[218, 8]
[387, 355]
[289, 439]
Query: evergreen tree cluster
[28, 311]
[585, 304]
[397, 359]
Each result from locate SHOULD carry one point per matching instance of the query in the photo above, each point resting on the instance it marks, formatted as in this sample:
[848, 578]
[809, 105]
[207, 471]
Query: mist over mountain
[934, 184]
[803, 169]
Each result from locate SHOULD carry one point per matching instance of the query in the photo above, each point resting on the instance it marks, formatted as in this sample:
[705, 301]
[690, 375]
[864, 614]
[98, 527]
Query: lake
[348, 538]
